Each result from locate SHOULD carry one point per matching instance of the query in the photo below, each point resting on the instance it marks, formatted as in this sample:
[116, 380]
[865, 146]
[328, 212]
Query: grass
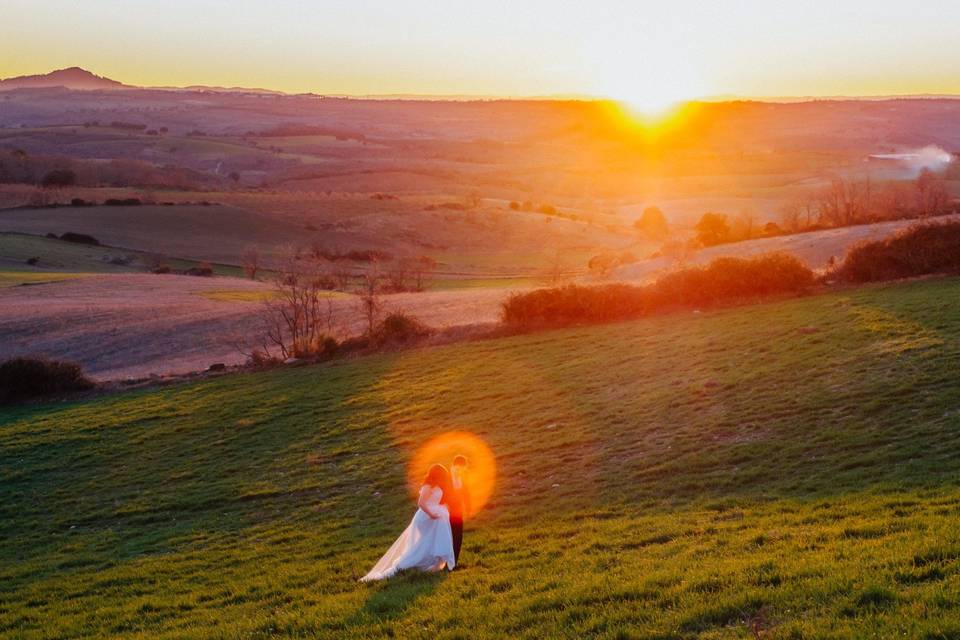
[482, 283]
[57, 255]
[788, 470]
[229, 295]
[58, 259]
[18, 278]
[233, 295]
[216, 233]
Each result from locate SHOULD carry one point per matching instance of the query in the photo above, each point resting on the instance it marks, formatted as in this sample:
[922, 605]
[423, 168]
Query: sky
[646, 53]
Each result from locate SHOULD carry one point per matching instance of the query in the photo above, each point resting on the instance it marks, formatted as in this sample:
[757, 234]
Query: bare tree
[299, 318]
[845, 201]
[407, 274]
[931, 193]
[250, 258]
[395, 276]
[743, 224]
[423, 268]
[556, 272]
[369, 295]
[341, 276]
[893, 201]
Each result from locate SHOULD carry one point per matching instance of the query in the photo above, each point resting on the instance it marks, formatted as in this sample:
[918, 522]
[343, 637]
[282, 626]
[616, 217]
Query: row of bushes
[724, 281]
[919, 250]
[29, 378]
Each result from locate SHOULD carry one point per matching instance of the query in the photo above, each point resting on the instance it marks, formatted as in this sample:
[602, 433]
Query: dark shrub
[33, 261]
[575, 304]
[728, 280]
[399, 328]
[355, 343]
[59, 178]
[122, 202]
[918, 250]
[26, 378]
[80, 202]
[79, 238]
[203, 270]
[161, 269]
[724, 281]
[52, 236]
[356, 255]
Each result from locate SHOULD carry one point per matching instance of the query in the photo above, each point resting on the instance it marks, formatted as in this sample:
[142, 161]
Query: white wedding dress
[427, 544]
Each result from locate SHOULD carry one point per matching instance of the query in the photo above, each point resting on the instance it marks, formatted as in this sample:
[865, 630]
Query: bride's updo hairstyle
[438, 476]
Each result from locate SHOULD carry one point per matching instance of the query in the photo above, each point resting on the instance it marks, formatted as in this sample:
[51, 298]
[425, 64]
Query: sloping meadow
[786, 470]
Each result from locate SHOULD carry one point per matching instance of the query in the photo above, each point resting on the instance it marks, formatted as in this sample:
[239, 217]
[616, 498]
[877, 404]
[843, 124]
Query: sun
[652, 106]
[653, 93]
[481, 469]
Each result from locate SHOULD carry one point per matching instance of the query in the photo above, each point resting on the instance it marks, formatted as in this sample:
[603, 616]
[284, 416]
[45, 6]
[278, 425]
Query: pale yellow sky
[644, 52]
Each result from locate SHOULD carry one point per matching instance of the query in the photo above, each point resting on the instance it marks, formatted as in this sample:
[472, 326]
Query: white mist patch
[930, 157]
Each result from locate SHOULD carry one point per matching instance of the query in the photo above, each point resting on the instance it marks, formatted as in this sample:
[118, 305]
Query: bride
[427, 544]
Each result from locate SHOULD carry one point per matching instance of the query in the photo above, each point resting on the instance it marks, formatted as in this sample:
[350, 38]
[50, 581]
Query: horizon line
[480, 97]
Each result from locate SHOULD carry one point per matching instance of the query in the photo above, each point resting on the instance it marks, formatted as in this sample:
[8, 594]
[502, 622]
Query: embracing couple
[432, 541]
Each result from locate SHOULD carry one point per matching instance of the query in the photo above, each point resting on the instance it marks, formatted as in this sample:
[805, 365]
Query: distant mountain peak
[71, 78]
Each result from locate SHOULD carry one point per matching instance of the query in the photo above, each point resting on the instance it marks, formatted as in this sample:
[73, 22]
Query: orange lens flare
[481, 464]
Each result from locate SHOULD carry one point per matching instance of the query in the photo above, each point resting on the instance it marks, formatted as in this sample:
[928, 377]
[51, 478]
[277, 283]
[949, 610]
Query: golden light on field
[481, 464]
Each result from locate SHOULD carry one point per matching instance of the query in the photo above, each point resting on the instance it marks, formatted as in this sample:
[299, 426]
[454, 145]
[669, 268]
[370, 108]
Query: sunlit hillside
[785, 470]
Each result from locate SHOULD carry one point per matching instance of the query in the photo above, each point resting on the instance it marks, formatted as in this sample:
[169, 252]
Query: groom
[459, 503]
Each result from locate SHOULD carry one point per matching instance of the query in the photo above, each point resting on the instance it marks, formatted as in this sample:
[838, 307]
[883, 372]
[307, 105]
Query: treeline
[848, 201]
[18, 167]
[842, 202]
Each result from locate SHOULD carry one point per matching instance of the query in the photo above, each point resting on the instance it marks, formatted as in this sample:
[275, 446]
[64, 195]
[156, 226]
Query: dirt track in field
[814, 247]
[132, 326]
[122, 326]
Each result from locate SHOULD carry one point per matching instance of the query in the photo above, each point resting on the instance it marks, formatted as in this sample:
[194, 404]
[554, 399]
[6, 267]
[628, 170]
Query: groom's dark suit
[458, 505]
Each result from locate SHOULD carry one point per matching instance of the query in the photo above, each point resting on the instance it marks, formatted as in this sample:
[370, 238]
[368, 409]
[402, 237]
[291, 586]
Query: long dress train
[426, 544]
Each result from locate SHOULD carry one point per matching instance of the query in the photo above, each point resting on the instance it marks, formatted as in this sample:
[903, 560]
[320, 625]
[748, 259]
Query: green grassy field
[59, 259]
[217, 233]
[787, 470]
[58, 255]
[18, 278]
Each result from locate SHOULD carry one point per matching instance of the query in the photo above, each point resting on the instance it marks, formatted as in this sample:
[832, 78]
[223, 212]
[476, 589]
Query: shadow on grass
[391, 599]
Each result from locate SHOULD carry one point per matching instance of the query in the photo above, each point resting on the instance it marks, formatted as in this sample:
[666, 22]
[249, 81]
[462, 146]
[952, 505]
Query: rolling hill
[787, 470]
[71, 78]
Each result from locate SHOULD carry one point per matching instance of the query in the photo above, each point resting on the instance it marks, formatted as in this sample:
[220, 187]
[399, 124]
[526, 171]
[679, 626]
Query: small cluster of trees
[712, 229]
[19, 167]
[652, 225]
[842, 202]
[848, 201]
[333, 271]
[299, 319]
